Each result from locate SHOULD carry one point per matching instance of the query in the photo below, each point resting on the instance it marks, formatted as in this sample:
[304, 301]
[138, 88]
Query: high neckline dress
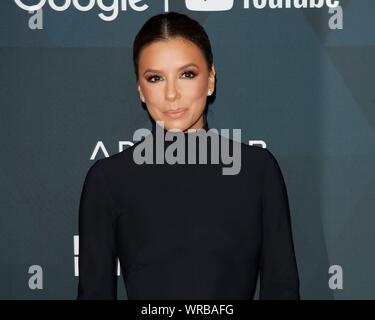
[186, 231]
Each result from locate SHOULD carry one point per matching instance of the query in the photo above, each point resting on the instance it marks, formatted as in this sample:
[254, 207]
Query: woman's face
[174, 82]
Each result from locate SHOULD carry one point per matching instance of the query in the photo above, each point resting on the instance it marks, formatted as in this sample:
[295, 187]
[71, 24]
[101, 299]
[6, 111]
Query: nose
[172, 92]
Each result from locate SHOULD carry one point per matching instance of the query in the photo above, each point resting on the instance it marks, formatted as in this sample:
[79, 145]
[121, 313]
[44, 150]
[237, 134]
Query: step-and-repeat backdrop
[296, 76]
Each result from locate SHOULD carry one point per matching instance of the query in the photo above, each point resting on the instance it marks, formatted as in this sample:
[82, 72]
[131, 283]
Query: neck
[160, 143]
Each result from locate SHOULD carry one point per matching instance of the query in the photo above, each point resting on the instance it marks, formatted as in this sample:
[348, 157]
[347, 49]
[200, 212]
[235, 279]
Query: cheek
[194, 89]
[153, 94]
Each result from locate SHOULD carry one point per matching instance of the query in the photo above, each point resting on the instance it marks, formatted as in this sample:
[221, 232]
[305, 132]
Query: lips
[175, 113]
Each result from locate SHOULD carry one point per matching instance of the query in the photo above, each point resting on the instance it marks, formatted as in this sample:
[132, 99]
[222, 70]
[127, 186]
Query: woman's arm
[278, 269]
[97, 249]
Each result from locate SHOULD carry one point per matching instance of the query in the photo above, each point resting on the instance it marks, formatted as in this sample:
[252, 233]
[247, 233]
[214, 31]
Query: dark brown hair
[171, 25]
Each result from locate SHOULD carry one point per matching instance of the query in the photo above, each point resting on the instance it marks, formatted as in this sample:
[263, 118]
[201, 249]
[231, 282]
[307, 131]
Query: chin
[175, 126]
[179, 124]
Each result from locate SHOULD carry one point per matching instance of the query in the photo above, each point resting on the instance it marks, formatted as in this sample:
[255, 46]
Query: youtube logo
[209, 5]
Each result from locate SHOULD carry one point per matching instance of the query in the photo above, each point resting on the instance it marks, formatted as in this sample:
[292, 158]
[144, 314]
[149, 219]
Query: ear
[140, 94]
[211, 79]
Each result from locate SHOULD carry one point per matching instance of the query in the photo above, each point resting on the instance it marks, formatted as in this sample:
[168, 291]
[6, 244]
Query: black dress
[186, 231]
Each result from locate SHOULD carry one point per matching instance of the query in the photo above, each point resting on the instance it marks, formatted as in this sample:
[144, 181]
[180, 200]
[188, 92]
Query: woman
[184, 231]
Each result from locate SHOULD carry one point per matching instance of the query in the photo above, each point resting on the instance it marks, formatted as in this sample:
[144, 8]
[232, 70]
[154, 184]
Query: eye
[152, 78]
[155, 78]
[191, 74]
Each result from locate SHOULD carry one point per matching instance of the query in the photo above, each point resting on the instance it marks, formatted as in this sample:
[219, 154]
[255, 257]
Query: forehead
[170, 53]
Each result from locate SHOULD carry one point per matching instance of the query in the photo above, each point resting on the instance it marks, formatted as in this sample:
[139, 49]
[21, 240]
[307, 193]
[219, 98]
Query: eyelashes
[191, 75]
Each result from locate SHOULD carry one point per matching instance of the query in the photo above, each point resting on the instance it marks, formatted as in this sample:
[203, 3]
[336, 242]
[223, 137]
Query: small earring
[143, 99]
[209, 92]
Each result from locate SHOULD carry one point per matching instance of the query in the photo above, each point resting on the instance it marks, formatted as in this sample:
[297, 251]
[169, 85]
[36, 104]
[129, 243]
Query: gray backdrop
[283, 76]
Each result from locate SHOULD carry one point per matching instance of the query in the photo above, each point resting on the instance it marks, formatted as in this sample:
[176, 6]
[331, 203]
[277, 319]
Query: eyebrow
[183, 67]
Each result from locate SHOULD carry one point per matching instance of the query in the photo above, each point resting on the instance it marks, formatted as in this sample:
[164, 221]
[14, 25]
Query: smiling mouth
[175, 113]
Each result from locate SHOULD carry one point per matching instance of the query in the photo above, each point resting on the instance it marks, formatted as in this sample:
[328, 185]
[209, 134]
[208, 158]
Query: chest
[189, 211]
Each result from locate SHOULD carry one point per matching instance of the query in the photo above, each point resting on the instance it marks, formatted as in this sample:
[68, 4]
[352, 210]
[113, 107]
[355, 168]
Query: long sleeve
[97, 250]
[278, 269]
